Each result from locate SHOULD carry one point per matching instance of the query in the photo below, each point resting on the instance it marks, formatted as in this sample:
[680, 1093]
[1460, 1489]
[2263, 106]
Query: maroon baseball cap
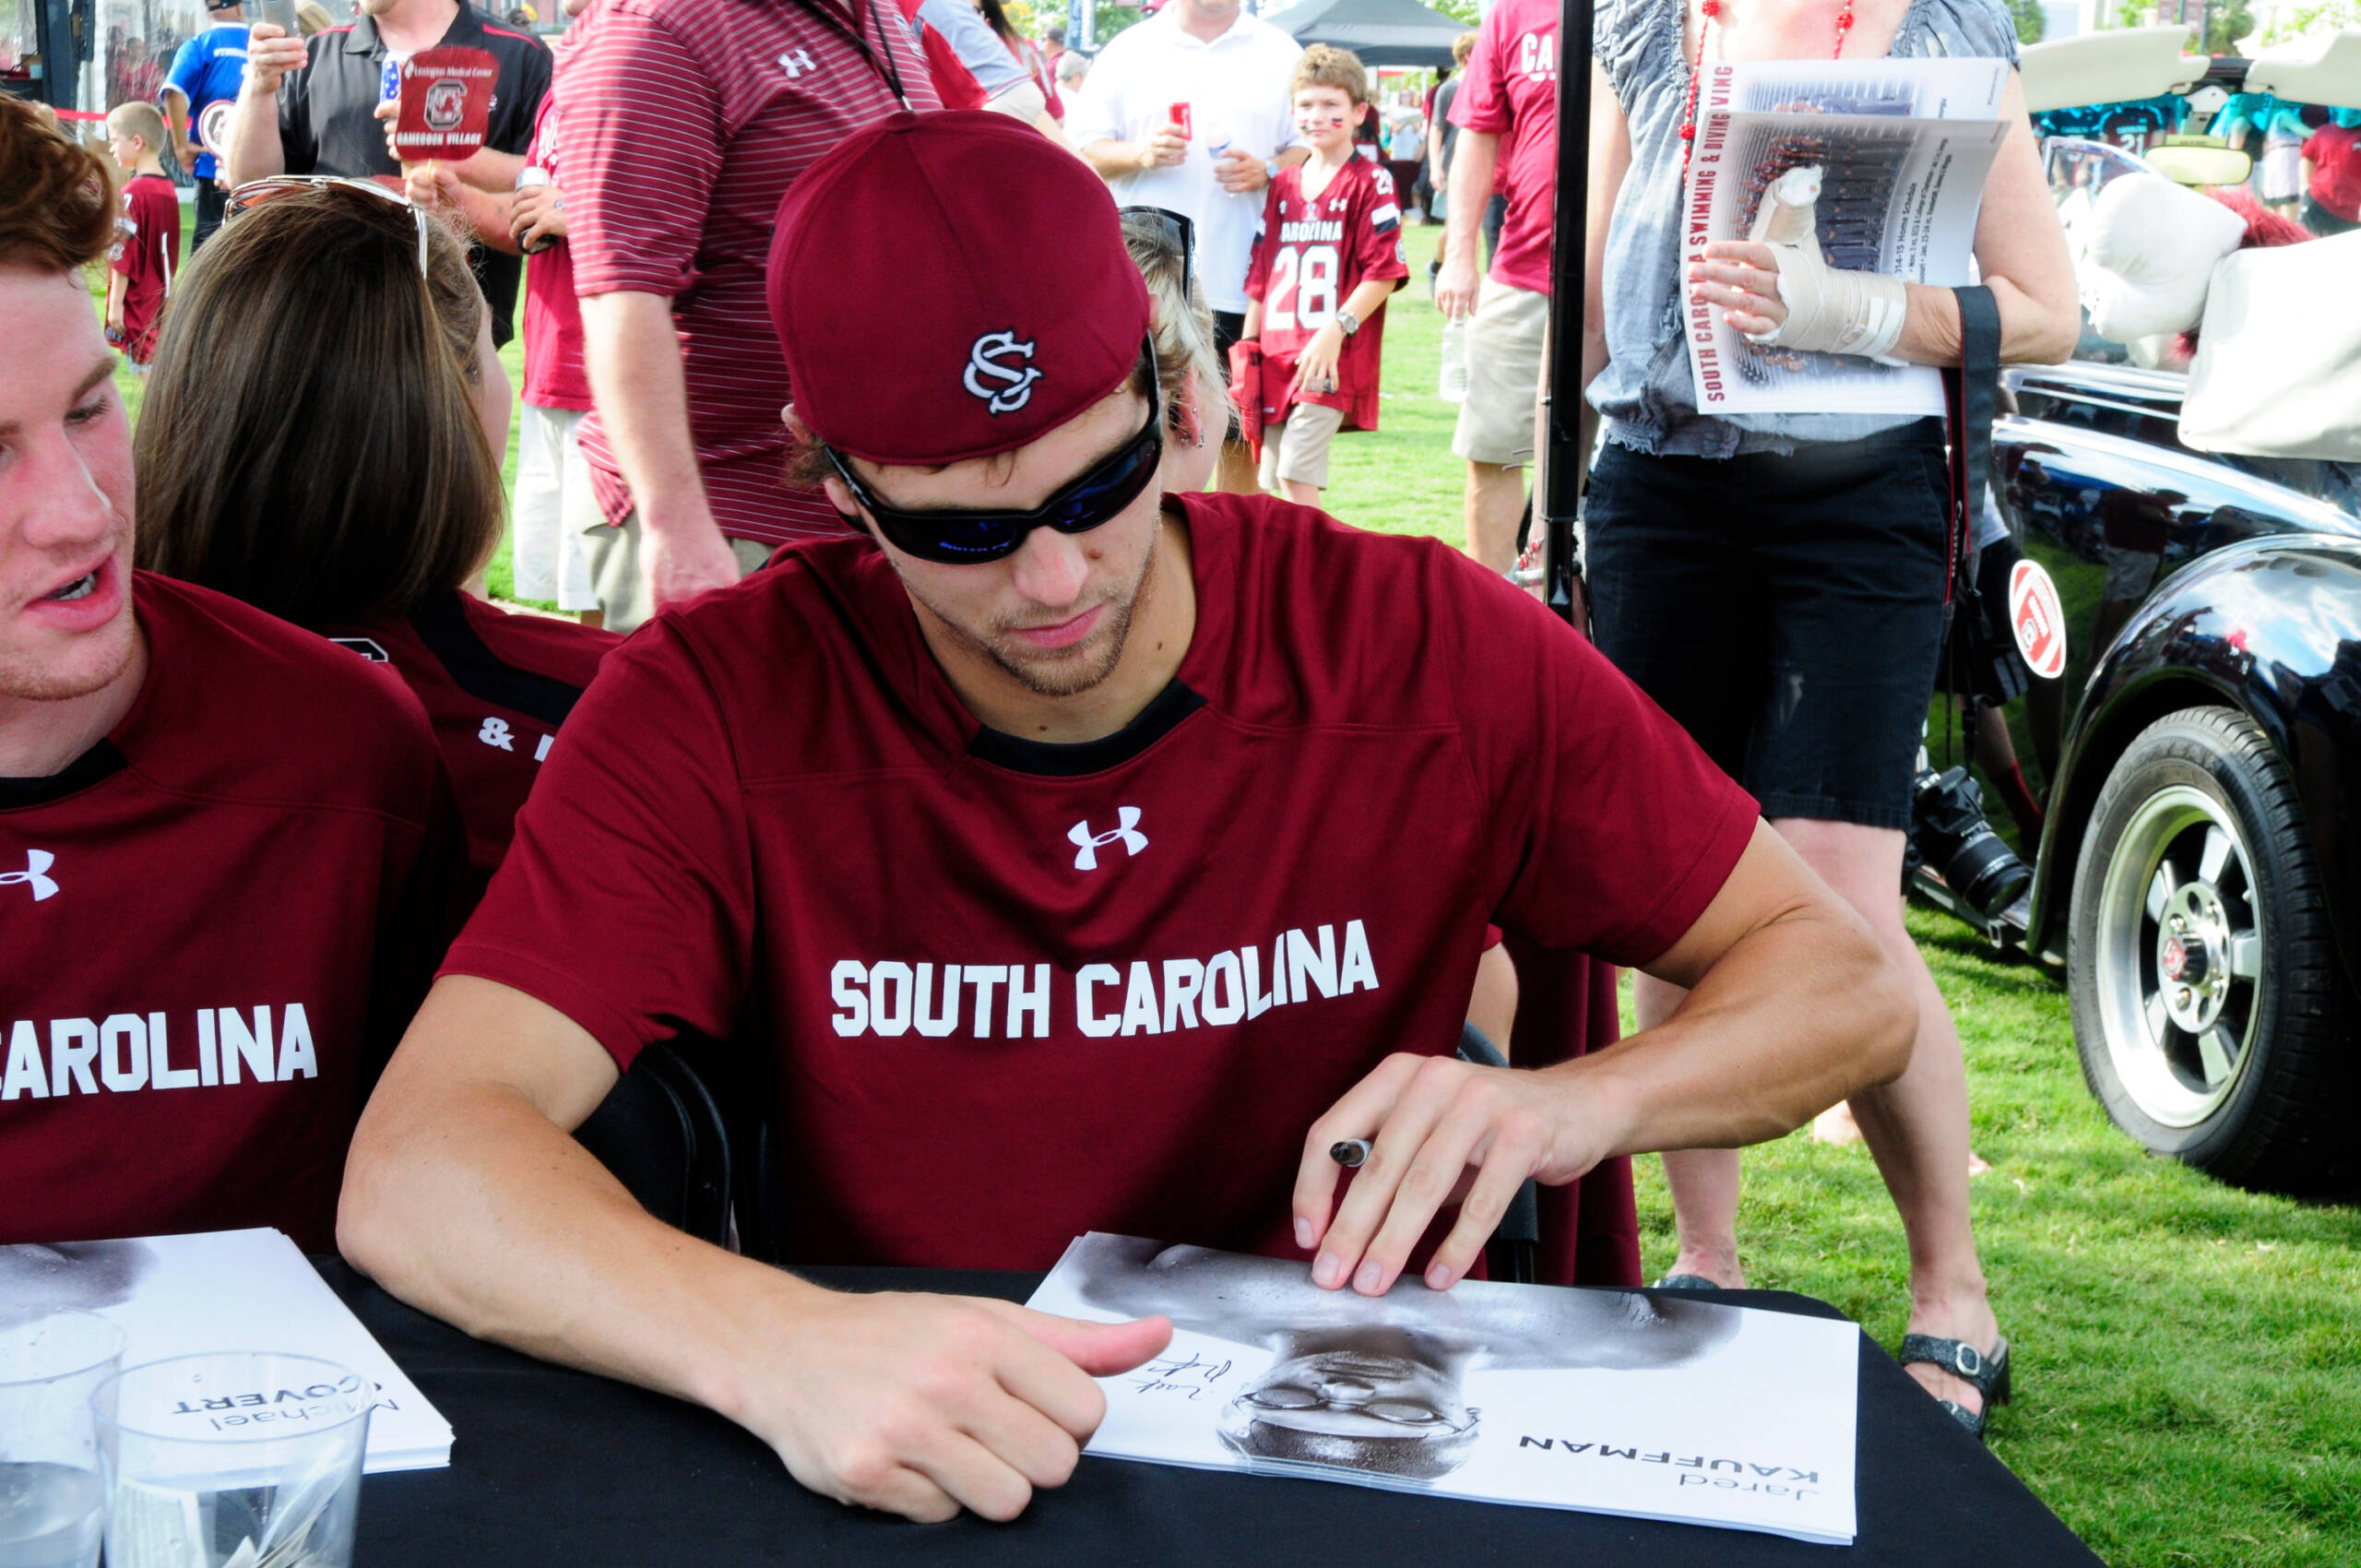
[951, 285]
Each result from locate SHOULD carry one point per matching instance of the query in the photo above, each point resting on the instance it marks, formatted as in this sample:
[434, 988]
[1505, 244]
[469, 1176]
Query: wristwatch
[1348, 322]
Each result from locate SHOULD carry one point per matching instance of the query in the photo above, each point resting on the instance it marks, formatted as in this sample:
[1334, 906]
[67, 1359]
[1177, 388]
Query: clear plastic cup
[242, 1459]
[51, 1505]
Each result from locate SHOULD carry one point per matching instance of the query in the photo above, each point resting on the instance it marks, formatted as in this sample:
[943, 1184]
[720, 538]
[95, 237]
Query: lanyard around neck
[824, 13]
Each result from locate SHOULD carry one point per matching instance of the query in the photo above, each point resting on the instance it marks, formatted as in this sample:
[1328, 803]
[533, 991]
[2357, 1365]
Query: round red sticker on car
[2037, 619]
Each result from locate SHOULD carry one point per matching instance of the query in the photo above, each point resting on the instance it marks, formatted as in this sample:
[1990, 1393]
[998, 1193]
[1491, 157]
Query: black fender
[2271, 628]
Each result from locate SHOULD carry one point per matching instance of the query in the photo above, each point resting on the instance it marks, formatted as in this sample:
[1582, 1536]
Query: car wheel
[2209, 1012]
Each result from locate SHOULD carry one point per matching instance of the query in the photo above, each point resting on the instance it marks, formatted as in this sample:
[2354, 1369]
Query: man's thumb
[1101, 1349]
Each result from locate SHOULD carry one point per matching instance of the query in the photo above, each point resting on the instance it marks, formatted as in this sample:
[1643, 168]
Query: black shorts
[211, 199]
[1230, 326]
[1787, 612]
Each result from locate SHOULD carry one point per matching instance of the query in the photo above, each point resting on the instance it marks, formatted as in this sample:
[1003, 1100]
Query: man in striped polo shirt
[685, 123]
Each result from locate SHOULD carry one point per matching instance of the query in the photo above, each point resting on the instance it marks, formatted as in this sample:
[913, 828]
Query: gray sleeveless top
[1645, 391]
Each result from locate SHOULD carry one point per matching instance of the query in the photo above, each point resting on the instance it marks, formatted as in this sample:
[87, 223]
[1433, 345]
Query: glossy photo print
[1647, 1403]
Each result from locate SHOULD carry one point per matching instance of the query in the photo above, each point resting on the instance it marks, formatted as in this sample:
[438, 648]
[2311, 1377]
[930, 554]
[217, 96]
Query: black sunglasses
[1176, 230]
[957, 537]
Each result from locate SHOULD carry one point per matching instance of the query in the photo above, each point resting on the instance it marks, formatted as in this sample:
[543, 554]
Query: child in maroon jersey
[364, 519]
[1076, 856]
[1326, 254]
[226, 861]
[147, 252]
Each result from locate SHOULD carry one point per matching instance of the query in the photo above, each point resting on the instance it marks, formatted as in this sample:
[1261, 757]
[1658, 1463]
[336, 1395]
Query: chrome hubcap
[2180, 964]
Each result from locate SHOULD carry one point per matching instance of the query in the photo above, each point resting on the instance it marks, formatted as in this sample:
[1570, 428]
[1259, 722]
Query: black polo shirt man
[327, 124]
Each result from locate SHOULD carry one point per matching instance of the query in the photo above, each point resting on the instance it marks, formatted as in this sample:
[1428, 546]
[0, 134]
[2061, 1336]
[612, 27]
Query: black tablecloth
[556, 1468]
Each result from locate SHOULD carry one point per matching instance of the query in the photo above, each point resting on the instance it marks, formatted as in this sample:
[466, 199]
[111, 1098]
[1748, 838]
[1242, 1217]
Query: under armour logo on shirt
[1086, 843]
[795, 61]
[984, 357]
[37, 861]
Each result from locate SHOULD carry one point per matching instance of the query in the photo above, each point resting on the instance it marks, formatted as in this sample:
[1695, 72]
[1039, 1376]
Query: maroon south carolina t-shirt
[1021, 992]
[496, 685]
[1510, 89]
[216, 923]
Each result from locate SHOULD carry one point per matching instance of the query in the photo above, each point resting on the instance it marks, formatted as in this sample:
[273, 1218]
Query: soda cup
[1180, 116]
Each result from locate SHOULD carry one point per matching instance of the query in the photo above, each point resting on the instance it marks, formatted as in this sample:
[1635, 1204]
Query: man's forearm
[486, 213]
[489, 169]
[1111, 159]
[1748, 1056]
[633, 357]
[1474, 159]
[255, 152]
[468, 1202]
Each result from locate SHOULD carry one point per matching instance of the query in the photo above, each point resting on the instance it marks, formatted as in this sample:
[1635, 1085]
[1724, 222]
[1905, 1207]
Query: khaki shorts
[611, 551]
[1298, 449]
[1504, 342]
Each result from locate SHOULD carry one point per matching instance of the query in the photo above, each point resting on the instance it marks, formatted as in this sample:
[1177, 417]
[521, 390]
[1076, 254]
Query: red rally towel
[1246, 391]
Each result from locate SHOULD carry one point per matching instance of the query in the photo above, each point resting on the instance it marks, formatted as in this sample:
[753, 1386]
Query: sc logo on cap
[985, 365]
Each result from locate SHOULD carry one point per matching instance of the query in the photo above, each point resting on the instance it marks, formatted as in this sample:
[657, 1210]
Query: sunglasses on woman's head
[1178, 232]
[958, 536]
[255, 193]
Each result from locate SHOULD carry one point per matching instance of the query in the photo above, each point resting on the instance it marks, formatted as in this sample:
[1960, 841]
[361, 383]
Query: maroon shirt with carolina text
[1013, 992]
[496, 684]
[1510, 89]
[216, 923]
[684, 122]
[1309, 257]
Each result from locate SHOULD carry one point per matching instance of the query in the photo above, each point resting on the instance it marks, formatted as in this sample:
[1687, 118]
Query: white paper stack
[1655, 1405]
[231, 1290]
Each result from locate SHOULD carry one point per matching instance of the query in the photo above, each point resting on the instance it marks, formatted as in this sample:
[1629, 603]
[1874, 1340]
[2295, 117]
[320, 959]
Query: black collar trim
[1050, 760]
[443, 626]
[102, 761]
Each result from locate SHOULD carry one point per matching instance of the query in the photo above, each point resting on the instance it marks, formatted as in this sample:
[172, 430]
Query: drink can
[528, 178]
[1180, 118]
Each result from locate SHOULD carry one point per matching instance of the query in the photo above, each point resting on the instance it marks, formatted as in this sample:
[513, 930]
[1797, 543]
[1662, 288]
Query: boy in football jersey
[1084, 858]
[1326, 254]
[225, 851]
[148, 243]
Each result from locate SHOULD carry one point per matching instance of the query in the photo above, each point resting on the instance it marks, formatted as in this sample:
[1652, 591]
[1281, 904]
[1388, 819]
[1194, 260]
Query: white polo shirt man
[1231, 70]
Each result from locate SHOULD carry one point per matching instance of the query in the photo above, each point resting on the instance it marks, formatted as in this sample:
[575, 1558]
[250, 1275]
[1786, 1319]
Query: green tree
[2327, 15]
[2226, 21]
[2030, 21]
[1465, 10]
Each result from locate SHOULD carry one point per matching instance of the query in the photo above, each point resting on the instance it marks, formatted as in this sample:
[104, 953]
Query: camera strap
[1971, 388]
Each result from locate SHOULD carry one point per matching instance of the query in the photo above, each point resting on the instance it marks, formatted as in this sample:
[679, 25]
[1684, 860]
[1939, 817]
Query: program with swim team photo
[1646, 1403]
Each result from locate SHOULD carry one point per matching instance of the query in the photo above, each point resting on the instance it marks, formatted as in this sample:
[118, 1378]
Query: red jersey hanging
[1309, 255]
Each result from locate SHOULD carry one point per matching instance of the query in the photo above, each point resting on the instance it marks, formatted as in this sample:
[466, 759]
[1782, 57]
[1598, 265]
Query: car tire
[2211, 1013]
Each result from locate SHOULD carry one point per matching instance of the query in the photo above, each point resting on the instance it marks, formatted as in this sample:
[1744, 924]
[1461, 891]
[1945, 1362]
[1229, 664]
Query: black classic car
[2198, 870]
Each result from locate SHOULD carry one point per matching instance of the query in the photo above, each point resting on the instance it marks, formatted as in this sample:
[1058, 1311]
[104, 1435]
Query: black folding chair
[662, 1133]
[1517, 1241]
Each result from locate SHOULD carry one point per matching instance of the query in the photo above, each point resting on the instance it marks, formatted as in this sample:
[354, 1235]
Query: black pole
[1562, 467]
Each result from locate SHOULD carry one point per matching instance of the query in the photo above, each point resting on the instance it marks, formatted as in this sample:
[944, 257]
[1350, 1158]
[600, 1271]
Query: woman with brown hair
[320, 439]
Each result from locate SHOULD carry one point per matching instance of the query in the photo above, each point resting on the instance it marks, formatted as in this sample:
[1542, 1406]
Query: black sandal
[1684, 1282]
[1986, 1371]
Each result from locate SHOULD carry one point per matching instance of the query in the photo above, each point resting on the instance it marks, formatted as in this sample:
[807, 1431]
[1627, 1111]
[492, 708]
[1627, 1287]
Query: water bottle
[1454, 388]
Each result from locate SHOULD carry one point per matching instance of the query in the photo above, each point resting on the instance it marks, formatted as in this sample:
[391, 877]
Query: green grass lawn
[2188, 1356]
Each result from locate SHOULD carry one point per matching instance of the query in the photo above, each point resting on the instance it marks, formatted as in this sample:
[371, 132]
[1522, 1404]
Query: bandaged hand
[1776, 288]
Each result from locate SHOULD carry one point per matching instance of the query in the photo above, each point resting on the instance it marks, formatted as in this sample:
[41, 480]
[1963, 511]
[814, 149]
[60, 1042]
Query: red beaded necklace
[1709, 12]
